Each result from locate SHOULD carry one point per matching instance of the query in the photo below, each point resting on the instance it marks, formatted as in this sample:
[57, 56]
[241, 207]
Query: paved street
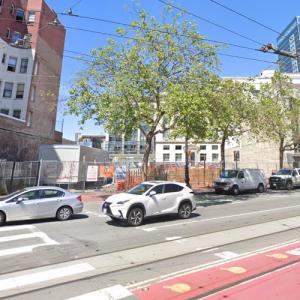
[60, 260]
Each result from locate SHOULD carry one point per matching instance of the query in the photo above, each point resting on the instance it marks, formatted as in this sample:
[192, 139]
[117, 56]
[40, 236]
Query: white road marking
[111, 293]
[34, 233]
[172, 238]
[19, 237]
[210, 250]
[226, 254]
[207, 265]
[29, 279]
[294, 252]
[92, 213]
[17, 227]
[148, 229]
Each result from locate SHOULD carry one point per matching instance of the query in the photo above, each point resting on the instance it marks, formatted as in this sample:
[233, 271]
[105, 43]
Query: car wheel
[235, 190]
[2, 218]
[289, 185]
[64, 213]
[261, 188]
[185, 210]
[135, 216]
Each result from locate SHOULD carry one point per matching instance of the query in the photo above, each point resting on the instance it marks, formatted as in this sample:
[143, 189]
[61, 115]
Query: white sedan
[150, 198]
[39, 202]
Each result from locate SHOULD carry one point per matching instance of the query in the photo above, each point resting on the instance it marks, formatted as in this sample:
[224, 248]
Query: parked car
[39, 202]
[285, 178]
[235, 181]
[151, 198]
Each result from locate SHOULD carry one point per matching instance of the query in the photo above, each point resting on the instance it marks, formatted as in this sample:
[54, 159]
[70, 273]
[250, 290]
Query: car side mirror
[152, 193]
[19, 200]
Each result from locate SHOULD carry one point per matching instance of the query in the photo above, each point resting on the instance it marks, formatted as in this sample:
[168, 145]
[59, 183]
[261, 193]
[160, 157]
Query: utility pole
[267, 48]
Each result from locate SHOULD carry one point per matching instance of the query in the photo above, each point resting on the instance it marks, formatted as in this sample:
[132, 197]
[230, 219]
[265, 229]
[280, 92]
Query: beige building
[255, 154]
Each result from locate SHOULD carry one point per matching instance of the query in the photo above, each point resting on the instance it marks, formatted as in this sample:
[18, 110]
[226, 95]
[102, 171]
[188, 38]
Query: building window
[215, 147]
[166, 147]
[17, 113]
[178, 147]
[24, 65]
[202, 156]
[178, 157]
[166, 157]
[20, 91]
[31, 16]
[3, 58]
[4, 111]
[20, 15]
[215, 157]
[12, 9]
[8, 33]
[202, 147]
[1, 5]
[15, 37]
[8, 88]
[33, 92]
[12, 63]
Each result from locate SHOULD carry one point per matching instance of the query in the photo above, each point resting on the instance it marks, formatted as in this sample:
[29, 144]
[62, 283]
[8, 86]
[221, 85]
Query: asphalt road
[47, 259]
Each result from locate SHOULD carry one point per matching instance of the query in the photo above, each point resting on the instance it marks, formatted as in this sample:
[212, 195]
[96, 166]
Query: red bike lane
[234, 277]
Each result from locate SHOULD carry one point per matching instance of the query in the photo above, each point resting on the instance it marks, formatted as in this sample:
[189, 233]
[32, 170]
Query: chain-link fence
[17, 175]
[107, 176]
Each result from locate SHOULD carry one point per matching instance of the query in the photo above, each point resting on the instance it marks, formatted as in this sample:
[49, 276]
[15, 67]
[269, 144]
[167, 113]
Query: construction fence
[107, 176]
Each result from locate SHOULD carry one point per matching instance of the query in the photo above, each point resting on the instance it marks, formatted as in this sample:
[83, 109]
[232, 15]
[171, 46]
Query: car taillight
[79, 198]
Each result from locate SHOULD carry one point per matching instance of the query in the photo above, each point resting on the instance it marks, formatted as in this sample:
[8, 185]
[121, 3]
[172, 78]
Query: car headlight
[122, 202]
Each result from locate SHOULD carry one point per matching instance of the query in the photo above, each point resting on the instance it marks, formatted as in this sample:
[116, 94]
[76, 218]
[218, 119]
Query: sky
[274, 14]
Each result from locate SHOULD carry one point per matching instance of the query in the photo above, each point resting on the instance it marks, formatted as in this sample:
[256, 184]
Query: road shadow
[211, 199]
[45, 220]
[152, 220]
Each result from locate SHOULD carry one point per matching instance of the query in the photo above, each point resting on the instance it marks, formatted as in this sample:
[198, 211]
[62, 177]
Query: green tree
[189, 109]
[231, 110]
[127, 85]
[277, 117]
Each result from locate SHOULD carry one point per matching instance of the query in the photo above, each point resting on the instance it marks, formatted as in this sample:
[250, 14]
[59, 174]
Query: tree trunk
[146, 156]
[186, 168]
[281, 152]
[223, 153]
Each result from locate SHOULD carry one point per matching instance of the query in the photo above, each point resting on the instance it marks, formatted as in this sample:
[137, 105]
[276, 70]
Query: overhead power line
[210, 22]
[153, 29]
[244, 16]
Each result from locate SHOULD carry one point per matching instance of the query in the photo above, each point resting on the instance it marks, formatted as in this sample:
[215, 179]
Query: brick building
[31, 52]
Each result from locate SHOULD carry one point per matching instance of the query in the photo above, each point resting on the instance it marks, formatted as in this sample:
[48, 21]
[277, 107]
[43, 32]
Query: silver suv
[150, 198]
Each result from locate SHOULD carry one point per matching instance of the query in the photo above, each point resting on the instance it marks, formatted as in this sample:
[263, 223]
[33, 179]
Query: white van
[235, 181]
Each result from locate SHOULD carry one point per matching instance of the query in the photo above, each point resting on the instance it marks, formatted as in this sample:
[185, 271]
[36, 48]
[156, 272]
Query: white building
[255, 154]
[16, 69]
[173, 151]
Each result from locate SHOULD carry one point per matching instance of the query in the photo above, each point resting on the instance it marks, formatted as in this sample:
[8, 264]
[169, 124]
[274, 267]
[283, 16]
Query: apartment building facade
[169, 150]
[31, 53]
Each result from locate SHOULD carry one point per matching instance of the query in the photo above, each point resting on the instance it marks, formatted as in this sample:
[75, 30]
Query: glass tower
[289, 40]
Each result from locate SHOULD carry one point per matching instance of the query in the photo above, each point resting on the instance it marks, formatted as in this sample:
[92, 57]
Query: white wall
[15, 77]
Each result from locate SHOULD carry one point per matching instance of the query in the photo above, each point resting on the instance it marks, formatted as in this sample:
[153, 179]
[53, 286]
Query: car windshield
[140, 189]
[229, 174]
[12, 194]
[284, 172]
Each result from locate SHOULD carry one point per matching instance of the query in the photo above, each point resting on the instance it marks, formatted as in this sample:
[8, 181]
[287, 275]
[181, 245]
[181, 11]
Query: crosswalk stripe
[29, 279]
[17, 227]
